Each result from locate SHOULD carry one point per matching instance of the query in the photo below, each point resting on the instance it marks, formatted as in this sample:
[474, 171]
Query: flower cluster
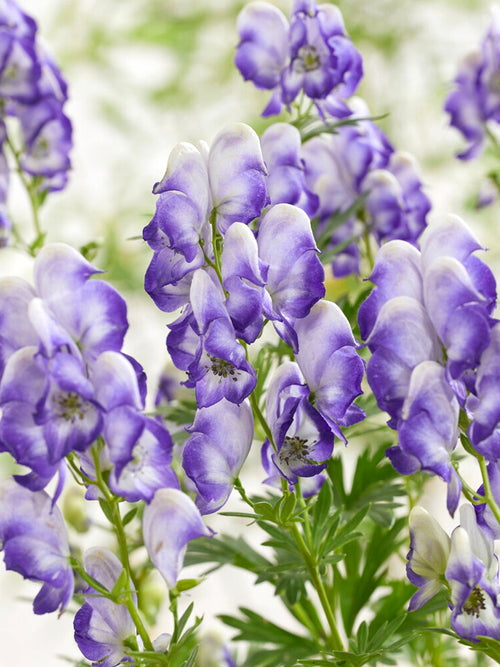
[310, 54]
[230, 279]
[33, 91]
[476, 99]
[464, 565]
[427, 323]
[355, 172]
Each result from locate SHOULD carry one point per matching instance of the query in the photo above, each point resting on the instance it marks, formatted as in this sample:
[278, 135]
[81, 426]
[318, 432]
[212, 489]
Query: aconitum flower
[215, 452]
[472, 573]
[330, 364]
[311, 54]
[33, 90]
[169, 522]
[428, 429]
[459, 292]
[203, 343]
[35, 544]
[428, 556]
[281, 148]
[102, 627]
[303, 440]
[476, 98]
[138, 447]
[484, 429]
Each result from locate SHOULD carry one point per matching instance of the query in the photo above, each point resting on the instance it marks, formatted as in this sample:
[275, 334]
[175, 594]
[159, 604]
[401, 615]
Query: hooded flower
[35, 544]
[170, 521]
[103, 627]
[214, 454]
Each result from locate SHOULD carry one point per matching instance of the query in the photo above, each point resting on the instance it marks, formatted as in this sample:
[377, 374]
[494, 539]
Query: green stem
[122, 545]
[488, 493]
[35, 206]
[260, 417]
[239, 487]
[335, 640]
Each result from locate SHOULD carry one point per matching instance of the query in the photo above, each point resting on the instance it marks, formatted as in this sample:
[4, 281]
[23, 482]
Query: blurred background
[146, 74]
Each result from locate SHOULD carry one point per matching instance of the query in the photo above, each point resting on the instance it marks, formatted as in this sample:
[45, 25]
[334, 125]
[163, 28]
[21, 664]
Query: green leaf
[106, 510]
[129, 516]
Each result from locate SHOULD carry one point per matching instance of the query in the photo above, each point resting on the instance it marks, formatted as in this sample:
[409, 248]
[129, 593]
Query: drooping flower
[428, 556]
[311, 54]
[170, 521]
[472, 573]
[203, 342]
[330, 364]
[103, 629]
[35, 544]
[302, 439]
[428, 429]
[475, 101]
[215, 452]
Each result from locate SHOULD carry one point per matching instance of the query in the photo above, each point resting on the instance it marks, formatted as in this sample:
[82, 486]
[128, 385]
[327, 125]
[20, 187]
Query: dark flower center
[475, 602]
[222, 368]
[71, 406]
[295, 449]
[308, 58]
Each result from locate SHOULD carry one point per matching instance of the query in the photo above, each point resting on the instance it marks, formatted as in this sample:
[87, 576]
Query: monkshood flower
[330, 364]
[428, 429]
[214, 454]
[48, 410]
[311, 54]
[295, 278]
[303, 440]
[427, 558]
[64, 312]
[472, 573]
[169, 522]
[356, 162]
[484, 429]
[309, 486]
[281, 148]
[459, 292]
[139, 448]
[396, 206]
[33, 90]
[203, 343]
[476, 98]
[228, 178]
[226, 183]
[103, 629]
[35, 544]
[401, 338]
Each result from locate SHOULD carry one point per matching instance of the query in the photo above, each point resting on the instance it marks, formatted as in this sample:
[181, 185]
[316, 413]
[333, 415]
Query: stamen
[475, 602]
[223, 368]
[72, 406]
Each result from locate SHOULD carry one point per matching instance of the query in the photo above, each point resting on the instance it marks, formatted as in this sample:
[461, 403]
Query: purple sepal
[243, 277]
[472, 573]
[402, 337]
[35, 544]
[396, 273]
[330, 364]
[281, 147]
[170, 521]
[428, 556]
[303, 439]
[101, 625]
[428, 428]
[263, 48]
[214, 454]
[237, 176]
[16, 330]
[295, 276]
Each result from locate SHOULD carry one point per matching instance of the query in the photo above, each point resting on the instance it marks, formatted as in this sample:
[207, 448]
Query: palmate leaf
[225, 550]
[286, 646]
